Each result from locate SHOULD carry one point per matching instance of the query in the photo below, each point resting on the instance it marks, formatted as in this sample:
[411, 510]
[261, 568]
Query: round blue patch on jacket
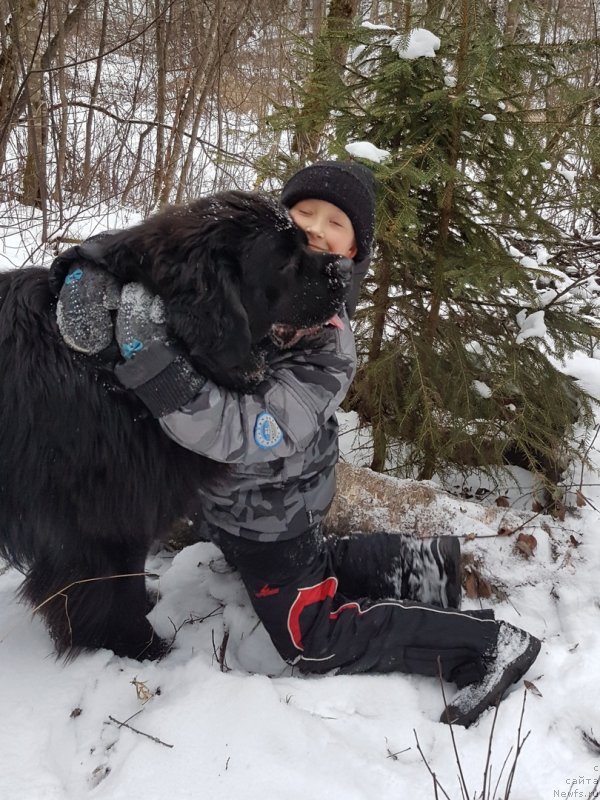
[267, 432]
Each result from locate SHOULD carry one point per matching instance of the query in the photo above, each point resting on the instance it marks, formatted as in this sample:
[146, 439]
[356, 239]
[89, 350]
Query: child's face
[327, 227]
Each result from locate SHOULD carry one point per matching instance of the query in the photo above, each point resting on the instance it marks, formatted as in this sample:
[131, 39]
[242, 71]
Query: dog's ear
[128, 259]
[205, 311]
[91, 253]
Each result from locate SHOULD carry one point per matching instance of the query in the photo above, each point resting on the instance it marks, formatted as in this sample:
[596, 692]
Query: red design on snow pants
[330, 604]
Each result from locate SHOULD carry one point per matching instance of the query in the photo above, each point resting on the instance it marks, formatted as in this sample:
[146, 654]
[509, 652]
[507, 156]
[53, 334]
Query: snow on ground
[258, 729]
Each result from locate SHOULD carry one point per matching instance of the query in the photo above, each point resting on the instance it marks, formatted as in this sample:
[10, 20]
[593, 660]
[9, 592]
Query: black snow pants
[333, 604]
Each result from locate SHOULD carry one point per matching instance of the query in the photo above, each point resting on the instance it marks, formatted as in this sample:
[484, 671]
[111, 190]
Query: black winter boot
[430, 570]
[394, 565]
[445, 553]
[514, 653]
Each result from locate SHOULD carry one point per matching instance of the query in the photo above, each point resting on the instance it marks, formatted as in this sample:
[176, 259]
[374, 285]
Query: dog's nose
[344, 268]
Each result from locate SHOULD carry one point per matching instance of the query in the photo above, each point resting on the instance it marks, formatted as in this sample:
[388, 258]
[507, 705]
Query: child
[362, 603]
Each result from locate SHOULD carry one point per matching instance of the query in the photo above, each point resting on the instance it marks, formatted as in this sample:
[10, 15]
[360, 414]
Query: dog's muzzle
[343, 267]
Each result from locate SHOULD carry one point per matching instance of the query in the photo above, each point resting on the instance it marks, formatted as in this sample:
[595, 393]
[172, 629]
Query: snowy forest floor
[251, 728]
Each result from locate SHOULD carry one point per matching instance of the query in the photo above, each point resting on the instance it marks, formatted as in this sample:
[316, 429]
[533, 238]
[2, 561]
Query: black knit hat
[346, 184]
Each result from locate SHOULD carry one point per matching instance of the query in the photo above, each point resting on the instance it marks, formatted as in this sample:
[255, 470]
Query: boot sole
[511, 675]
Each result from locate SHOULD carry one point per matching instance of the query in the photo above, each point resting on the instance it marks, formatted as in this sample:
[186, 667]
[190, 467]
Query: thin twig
[502, 771]
[393, 756]
[594, 792]
[220, 655]
[222, 650]
[520, 745]
[489, 787]
[473, 537]
[141, 733]
[135, 714]
[527, 521]
[191, 620]
[463, 785]
[487, 769]
[433, 775]
[590, 740]
[61, 592]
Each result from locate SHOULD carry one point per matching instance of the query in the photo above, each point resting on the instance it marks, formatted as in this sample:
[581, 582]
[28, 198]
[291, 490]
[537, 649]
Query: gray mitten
[141, 320]
[154, 367]
[83, 312]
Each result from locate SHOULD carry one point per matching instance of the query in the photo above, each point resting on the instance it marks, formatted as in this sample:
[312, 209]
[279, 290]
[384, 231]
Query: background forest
[487, 154]
[477, 334]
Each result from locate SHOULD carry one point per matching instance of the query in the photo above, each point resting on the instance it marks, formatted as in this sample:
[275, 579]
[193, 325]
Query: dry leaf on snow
[531, 687]
[526, 544]
[476, 585]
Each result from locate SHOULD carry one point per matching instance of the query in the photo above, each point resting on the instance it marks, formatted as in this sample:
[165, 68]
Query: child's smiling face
[327, 227]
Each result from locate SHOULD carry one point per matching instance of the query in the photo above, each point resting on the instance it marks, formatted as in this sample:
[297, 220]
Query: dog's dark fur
[88, 480]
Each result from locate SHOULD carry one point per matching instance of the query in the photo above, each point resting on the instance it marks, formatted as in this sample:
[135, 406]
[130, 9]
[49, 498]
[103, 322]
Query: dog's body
[88, 480]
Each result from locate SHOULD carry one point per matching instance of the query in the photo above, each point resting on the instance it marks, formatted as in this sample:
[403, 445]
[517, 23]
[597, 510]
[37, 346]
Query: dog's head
[229, 267]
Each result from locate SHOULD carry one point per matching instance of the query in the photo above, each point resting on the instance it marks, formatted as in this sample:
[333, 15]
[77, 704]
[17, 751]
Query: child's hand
[83, 312]
[141, 320]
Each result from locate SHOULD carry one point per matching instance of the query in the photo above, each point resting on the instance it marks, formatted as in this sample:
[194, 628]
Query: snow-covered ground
[256, 729]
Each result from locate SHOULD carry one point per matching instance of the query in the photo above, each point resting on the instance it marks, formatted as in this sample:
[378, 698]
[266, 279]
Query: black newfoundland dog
[88, 480]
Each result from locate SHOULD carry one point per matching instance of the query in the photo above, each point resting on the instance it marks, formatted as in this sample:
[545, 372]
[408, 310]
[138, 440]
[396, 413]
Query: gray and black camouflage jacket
[281, 441]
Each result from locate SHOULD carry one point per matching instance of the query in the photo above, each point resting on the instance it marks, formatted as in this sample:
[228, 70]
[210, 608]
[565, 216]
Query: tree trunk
[225, 40]
[381, 303]
[89, 125]
[162, 38]
[22, 65]
[318, 14]
[29, 54]
[331, 50]
[445, 217]
[396, 13]
[513, 16]
[9, 72]
[58, 127]
[205, 54]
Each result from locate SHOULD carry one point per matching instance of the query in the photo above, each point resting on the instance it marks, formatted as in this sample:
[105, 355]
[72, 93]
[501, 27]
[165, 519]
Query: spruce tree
[461, 333]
